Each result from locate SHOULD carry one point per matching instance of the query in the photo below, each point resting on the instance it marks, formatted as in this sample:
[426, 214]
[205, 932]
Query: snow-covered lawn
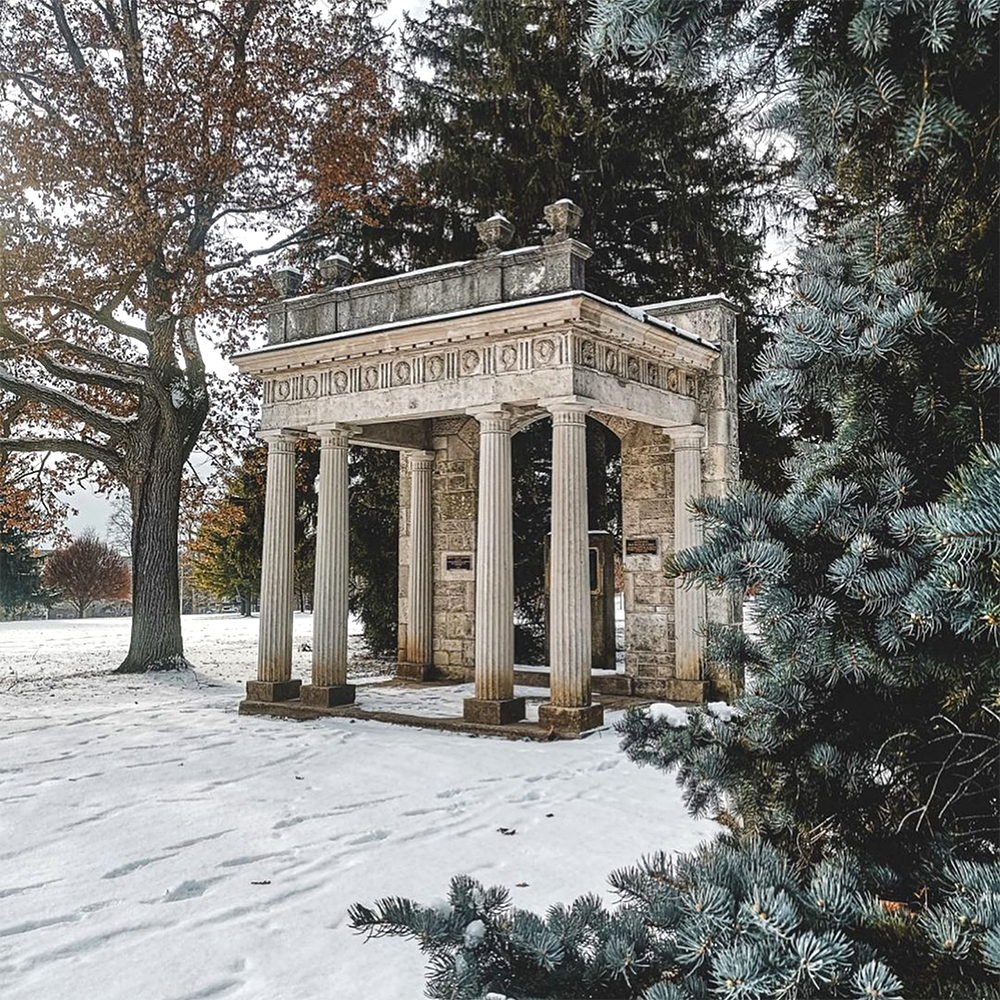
[156, 845]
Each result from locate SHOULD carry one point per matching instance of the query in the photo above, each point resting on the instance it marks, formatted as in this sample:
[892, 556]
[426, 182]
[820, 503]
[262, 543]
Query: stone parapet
[469, 284]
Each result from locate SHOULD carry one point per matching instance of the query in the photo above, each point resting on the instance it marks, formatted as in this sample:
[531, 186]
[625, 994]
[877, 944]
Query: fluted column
[329, 660]
[690, 606]
[570, 708]
[274, 650]
[419, 590]
[494, 702]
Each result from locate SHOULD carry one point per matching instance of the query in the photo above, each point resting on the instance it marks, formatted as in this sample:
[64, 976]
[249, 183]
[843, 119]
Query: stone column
[690, 608]
[494, 702]
[329, 659]
[570, 709]
[419, 656]
[274, 652]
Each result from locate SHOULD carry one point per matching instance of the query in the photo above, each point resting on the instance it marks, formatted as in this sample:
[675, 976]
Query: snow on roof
[696, 300]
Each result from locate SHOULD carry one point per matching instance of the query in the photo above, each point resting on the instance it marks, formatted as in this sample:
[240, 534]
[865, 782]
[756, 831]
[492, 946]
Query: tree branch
[119, 382]
[124, 369]
[69, 446]
[101, 316]
[79, 64]
[298, 236]
[103, 422]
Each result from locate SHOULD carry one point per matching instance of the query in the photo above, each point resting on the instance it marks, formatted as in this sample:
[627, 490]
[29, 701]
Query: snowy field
[155, 845]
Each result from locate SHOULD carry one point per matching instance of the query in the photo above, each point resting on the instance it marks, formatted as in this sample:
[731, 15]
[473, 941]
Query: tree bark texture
[162, 441]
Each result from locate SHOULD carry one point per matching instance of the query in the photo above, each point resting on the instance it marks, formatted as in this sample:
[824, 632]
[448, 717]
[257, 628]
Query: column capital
[686, 437]
[420, 459]
[494, 418]
[281, 436]
[333, 435]
[568, 409]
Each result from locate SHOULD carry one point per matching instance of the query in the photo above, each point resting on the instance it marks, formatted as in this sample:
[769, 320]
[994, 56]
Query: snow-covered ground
[155, 844]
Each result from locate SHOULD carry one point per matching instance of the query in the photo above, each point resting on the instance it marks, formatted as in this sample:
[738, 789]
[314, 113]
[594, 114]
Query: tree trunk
[156, 642]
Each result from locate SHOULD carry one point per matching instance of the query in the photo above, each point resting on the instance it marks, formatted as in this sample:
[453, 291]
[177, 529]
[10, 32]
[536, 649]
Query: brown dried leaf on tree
[154, 156]
[86, 571]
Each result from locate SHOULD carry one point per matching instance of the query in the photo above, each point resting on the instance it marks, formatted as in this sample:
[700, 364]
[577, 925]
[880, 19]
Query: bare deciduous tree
[87, 570]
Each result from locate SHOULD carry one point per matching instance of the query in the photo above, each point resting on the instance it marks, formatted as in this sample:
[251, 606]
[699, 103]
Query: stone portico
[446, 365]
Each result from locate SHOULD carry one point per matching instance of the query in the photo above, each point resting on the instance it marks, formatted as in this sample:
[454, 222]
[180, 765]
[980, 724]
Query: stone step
[603, 682]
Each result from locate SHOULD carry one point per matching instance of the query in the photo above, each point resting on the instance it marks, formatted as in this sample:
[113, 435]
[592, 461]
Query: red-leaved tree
[85, 571]
[151, 153]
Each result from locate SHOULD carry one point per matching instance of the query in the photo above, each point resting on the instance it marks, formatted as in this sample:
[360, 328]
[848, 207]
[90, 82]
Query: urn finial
[564, 217]
[495, 232]
[336, 270]
[286, 280]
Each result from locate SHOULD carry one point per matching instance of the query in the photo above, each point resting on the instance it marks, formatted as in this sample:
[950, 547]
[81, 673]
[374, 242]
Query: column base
[571, 721]
[489, 712]
[319, 696]
[273, 690]
[414, 671]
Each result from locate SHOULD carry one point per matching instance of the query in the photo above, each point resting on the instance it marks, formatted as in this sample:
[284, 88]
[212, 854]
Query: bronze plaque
[458, 560]
[642, 546]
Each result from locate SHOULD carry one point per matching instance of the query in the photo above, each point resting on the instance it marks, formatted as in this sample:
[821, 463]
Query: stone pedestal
[494, 640]
[321, 696]
[690, 609]
[274, 651]
[273, 690]
[414, 671]
[329, 659]
[493, 712]
[570, 721]
[419, 655]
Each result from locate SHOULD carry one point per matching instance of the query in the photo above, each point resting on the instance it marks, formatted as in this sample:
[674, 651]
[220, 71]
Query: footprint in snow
[190, 889]
[372, 836]
[132, 866]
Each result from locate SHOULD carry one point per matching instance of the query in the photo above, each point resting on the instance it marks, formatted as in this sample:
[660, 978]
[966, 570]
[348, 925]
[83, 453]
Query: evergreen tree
[866, 696]
[20, 572]
[501, 109]
[858, 774]
[374, 546]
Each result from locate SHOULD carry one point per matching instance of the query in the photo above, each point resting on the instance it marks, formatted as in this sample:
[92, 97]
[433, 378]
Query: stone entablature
[574, 343]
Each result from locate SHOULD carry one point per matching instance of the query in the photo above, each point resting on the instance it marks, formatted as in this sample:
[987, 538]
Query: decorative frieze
[488, 357]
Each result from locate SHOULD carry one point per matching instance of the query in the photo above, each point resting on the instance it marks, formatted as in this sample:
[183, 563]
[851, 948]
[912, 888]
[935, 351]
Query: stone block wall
[714, 319]
[648, 512]
[454, 492]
